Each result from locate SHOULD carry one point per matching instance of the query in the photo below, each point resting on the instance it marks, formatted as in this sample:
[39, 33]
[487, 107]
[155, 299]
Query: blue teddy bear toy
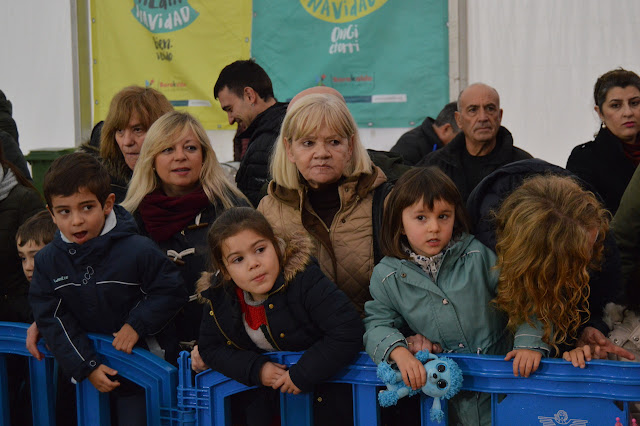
[444, 380]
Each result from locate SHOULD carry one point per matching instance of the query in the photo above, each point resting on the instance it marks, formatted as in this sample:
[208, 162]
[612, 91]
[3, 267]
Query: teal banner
[389, 59]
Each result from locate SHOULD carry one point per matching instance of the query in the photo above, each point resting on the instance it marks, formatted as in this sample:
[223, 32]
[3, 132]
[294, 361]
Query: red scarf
[632, 151]
[163, 216]
[255, 316]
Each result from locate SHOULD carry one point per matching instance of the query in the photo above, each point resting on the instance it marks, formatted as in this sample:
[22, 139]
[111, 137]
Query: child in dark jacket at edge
[270, 295]
[99, 276]
[32, 236]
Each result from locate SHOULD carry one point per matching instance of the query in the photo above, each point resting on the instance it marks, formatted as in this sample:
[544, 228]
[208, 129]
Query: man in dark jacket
[245, 93]
[431, 135]
[482, 146]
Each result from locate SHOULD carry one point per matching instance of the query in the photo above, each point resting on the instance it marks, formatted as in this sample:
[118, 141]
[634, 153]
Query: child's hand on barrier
[197, 363]
[270, 373]
[578, 356]
[525, 361]
[418, 343]
[125, 339]
[33, 335]
[413, 372]
[100, 381]
[286, 385]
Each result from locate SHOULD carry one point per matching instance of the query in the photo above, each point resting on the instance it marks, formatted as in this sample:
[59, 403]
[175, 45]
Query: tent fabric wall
[543, 57]
[36, 71]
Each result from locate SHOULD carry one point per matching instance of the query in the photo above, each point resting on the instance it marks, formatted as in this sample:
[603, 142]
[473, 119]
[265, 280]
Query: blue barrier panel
[157, 377]
[12, 341]
[557, 394]
[212, 405]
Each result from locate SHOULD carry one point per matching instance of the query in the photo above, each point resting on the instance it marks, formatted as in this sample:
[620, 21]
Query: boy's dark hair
[241, 74]
[428, 184]
[230, 223]
[39, 228]
[71, 172]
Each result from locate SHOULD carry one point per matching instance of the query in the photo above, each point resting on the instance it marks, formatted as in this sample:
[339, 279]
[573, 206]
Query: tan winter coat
[345, 250]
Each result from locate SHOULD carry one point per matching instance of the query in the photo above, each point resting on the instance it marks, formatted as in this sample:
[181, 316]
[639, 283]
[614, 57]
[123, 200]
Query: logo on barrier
[561, 418]
[340, 11]
[164, 16]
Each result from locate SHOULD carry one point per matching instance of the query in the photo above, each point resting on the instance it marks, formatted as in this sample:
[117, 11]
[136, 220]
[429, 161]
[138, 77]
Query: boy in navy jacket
[97, 275]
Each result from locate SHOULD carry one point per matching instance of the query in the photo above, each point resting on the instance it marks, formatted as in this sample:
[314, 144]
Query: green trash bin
[40, 161]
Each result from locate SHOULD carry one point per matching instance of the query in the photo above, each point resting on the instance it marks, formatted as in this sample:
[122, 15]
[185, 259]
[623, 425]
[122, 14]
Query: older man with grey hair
[482, 146]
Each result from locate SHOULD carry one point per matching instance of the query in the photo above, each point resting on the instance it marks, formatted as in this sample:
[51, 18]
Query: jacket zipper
[271, 334]
[213, 314]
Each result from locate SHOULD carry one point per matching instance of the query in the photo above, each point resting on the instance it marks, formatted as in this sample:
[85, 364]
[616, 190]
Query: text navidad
[341, 11]
[164, 16]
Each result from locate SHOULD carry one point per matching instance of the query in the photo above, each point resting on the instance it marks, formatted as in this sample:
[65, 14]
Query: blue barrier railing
[158, 378]
[557, 394]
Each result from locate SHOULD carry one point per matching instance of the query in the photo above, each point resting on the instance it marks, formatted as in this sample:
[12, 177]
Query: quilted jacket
[345, 250]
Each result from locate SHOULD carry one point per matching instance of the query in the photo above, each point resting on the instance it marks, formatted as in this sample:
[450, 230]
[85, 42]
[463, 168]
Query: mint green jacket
[530, 337]
[453, 311]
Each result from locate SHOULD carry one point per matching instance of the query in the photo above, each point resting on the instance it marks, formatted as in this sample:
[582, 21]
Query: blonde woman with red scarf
[177, 190]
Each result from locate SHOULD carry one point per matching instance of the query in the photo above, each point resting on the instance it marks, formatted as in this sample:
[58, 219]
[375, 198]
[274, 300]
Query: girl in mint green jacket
[436, 280]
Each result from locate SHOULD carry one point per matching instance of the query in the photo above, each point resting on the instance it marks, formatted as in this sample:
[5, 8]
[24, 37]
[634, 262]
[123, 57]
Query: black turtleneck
[325, 202]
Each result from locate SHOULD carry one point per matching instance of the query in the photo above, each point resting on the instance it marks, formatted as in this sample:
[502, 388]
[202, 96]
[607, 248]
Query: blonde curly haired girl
[550, 232]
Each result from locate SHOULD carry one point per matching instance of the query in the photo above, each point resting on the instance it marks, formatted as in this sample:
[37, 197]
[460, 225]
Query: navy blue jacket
[305, 312]
[116, 278]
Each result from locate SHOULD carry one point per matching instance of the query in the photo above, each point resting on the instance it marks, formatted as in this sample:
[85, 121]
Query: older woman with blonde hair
[131, 113]
[324, 184]
[177, 190]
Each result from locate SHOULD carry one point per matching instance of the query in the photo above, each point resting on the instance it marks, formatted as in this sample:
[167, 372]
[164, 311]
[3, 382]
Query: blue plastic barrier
[12, 341]
[211, 388]
[557, 394]
[157, 377]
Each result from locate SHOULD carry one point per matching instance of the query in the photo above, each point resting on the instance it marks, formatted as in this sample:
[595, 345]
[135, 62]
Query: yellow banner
[178, 47]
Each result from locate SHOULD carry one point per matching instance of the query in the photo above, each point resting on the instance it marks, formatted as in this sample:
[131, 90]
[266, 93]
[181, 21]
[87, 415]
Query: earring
[604, 126]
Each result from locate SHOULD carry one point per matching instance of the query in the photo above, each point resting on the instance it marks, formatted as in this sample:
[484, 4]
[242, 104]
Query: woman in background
[131, 113]
[608, 162]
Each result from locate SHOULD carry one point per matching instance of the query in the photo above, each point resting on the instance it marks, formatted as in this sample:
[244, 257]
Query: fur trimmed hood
[118, 170]
[613, 313]
[296, 249]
